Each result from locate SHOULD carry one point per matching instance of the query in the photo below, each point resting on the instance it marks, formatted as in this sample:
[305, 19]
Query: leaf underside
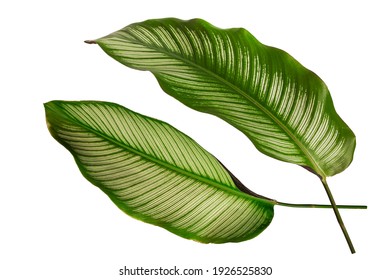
[155, 173]
[285, 109]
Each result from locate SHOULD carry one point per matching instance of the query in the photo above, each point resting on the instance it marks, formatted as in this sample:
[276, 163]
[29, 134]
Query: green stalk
[335, 208]
[338, 216]
[324, 206]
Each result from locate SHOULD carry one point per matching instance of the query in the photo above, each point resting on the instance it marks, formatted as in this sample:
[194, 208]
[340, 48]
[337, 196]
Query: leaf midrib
[316, 167]
[169, 166]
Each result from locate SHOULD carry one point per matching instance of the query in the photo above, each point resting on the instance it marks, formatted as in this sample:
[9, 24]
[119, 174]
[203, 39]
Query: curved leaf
[284, 109]
[155, 173]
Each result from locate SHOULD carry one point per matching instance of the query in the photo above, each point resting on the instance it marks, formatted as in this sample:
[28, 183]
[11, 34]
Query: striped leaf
[285, 109]
[155, 173]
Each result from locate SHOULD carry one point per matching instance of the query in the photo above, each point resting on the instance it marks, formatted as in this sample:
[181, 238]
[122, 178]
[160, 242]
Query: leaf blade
[117, 150]
[284, 109]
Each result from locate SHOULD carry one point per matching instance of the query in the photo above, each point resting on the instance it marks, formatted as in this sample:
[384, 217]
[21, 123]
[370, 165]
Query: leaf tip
[50, 104]
[90, 42]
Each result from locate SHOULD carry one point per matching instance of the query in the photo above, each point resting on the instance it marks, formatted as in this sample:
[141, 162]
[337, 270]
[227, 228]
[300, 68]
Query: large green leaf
[284, 109]
[155, 173]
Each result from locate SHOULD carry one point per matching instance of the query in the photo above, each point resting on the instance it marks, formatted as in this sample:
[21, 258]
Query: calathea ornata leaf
[155, 173]
[283, 108]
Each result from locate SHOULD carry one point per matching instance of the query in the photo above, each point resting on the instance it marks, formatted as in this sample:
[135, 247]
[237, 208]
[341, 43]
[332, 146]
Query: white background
[56, 225]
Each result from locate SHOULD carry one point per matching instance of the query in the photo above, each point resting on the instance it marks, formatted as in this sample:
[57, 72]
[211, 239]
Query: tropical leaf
[155, 173]
[284, 109]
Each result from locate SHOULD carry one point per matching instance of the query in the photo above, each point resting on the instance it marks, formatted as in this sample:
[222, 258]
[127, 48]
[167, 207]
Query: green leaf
[155, 173]
[284, 109]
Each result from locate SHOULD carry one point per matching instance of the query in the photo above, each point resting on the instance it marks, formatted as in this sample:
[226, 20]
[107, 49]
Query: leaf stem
[326, 206]
[244, 189]
[338, 216]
